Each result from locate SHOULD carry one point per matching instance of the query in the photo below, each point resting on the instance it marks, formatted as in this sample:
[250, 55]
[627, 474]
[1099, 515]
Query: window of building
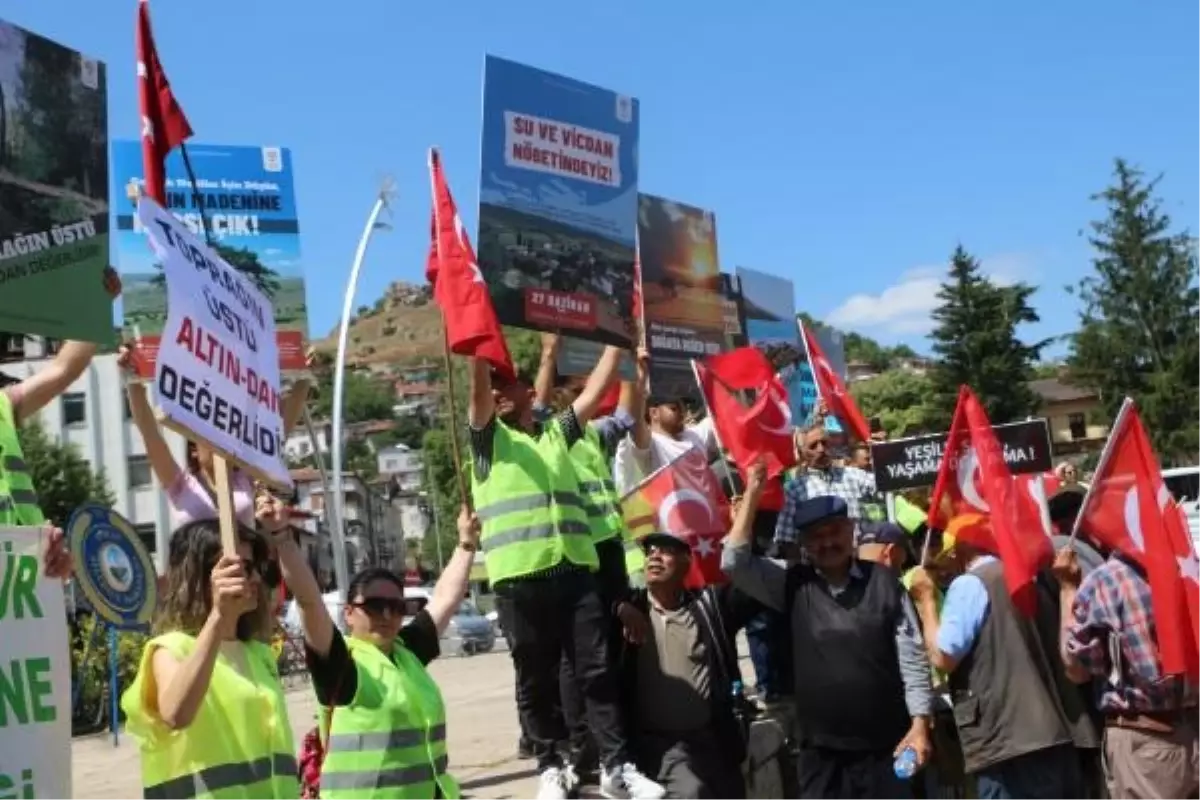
[147, 533]
[74, 405]
[1078, 425]
[12, 346]
[139, 472]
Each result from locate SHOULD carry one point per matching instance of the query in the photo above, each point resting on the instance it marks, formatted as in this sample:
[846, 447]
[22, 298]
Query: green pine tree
[976, 341]
[63, 478]
[1138, 334]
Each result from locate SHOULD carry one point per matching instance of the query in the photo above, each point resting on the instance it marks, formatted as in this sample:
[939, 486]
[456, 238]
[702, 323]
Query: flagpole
[1105, 454]
[811, 370]
[338, 507]
[733, 493]
[197, 198]
[464, 496]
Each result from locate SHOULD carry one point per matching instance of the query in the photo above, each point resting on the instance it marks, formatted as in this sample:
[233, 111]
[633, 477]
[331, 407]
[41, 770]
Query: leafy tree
[1138, 334]
[366, 397]
[902, 400]
[443, 497]
[864, 349]
[976, 340]
[63, 478]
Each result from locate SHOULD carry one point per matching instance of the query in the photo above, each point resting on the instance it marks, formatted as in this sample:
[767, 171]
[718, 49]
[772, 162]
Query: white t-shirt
[631, 464]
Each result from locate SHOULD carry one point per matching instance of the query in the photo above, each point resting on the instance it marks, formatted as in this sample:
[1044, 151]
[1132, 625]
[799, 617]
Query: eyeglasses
[375, 606]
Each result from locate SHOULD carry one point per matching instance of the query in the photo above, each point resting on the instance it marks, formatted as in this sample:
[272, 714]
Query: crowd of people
[892, 654]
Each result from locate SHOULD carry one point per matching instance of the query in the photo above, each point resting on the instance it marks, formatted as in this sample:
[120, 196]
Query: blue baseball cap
[819, 509]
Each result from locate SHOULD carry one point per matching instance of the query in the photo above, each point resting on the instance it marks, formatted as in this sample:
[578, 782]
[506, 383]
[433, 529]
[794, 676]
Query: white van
[1184, 484]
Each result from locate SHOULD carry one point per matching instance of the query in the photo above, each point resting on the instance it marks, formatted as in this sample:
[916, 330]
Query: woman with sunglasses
[386, 734]
[207, 707]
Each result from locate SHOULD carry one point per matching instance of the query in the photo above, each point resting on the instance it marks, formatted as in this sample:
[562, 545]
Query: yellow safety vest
[531, 513]
[240, 743]
[600, 498]
[390, 742]
[18, 499]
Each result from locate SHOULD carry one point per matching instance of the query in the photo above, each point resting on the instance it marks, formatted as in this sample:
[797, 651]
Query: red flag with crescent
[684, 499]
[974, 479]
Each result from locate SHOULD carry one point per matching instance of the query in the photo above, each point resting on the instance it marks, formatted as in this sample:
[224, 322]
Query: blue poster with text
[558, 202]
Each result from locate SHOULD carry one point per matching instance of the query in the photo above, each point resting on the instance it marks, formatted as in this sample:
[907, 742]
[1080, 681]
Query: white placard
[35, 673]
[218, 363]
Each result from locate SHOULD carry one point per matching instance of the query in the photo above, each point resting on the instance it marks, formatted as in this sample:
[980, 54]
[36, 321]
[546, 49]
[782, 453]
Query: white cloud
[903, 309]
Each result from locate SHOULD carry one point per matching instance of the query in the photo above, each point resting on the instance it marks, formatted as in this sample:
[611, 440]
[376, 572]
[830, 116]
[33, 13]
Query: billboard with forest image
[53, 190]
[248, 202]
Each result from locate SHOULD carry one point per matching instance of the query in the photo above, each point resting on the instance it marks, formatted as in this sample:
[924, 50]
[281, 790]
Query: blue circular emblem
[113, 569]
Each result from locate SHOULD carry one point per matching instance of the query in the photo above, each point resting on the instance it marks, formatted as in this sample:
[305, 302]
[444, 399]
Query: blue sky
[847, 146]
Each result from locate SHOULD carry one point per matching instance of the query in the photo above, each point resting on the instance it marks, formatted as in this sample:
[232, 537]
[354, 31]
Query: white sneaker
[627, 781]
[552, 784]
[571, 779]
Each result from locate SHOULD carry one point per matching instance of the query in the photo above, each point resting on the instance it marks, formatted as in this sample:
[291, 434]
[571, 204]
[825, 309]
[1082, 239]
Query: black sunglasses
[375, 606]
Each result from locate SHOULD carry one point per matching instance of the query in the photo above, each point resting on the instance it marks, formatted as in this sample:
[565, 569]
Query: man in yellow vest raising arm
[537, 541]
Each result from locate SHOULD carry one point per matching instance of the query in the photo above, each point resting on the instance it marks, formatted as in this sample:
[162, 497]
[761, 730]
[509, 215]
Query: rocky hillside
[401, 327]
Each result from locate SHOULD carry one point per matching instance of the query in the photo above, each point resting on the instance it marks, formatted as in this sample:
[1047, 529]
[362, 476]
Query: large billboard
[248, 199]
[558, 202]
[53, 190]
[682, 292]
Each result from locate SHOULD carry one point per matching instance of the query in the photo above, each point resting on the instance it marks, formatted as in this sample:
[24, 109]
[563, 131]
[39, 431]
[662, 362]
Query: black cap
[819, 509]
[881, 533]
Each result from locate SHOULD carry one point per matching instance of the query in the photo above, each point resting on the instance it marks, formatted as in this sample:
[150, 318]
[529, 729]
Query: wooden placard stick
[225, 512]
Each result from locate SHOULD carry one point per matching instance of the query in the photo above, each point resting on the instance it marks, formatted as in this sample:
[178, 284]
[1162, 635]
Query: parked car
[470, 632]
[1184, 484]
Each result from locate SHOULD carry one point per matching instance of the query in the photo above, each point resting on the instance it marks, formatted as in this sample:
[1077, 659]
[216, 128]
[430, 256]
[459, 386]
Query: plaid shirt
[1112, 636]
[849, 483]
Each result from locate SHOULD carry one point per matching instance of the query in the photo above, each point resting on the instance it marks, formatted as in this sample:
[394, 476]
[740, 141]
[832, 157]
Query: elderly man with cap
[677, 682]
[884, 543]
[860, 677]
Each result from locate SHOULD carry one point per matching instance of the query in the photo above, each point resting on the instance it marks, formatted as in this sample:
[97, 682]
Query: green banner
[53, 190]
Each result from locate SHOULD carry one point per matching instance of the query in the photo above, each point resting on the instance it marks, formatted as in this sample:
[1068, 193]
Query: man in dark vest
[859, 674]
[1016, 734]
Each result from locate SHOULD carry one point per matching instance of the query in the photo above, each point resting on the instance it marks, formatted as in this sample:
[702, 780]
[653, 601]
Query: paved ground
[481, 724]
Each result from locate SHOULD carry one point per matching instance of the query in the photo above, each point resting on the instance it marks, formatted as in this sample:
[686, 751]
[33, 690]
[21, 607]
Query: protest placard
[217, 376]
[914, 461]
[35, 673]
[682, 291]
[247, 195]
[733, 311]
[558, 203]
[53, 190]
[579, 357]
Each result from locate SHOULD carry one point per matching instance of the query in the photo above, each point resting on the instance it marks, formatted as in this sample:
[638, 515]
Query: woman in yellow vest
[385, 715]
[207, 707]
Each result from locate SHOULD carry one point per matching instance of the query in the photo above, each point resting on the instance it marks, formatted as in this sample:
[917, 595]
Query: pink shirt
[191, 500]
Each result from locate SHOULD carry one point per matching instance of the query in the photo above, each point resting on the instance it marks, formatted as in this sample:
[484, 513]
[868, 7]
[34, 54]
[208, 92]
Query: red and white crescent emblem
[461, 233]
[968, 466]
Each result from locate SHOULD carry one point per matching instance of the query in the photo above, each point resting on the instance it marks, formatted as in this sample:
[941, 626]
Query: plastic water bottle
[905, 765]
[737, 689]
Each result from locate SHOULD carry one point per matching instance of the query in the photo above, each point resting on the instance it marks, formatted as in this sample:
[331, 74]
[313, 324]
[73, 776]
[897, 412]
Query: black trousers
[549, 618]
[822, 772]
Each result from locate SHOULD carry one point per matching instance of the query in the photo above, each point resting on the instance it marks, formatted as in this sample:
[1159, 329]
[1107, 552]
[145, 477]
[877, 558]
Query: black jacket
[720, 613]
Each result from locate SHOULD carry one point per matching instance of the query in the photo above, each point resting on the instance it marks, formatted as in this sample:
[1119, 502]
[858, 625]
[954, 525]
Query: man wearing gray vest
[1015, 732]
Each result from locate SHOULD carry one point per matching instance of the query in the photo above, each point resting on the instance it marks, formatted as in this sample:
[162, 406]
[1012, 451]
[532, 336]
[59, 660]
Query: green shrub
[90, 679]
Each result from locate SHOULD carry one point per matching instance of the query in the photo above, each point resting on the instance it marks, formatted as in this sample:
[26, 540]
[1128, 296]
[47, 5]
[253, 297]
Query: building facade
[93, 416]
[1071, 413]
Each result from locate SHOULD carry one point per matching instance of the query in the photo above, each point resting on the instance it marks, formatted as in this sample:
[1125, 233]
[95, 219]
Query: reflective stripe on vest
[528, 533]
[394, 739]
[394, 778]
[223, 776]
[18, 499]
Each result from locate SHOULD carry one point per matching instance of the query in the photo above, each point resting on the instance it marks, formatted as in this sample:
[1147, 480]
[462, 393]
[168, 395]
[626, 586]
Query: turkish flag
[832, 390]
[684, 499]
[974, 478]
[164, 125]
[762, 430]
[472, 328]
[1129, 509]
